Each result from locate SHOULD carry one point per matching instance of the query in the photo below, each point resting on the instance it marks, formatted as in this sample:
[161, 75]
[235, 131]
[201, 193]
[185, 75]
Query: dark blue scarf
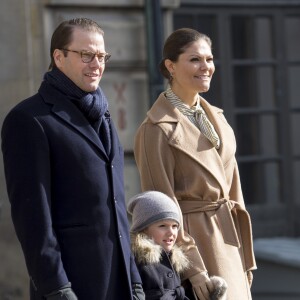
[93, 105]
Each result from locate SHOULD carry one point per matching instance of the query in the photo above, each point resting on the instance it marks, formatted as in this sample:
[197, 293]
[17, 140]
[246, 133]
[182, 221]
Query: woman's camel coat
[175, 158]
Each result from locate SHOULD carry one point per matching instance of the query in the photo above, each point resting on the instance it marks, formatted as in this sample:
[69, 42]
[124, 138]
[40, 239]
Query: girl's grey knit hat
[149, 207]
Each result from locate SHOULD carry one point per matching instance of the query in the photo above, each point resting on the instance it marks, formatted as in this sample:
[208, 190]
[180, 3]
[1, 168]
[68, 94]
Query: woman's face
[164, 233]
[193, 70]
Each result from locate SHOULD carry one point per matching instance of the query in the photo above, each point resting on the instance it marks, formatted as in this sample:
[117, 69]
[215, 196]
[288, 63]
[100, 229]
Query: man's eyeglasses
[88, 56]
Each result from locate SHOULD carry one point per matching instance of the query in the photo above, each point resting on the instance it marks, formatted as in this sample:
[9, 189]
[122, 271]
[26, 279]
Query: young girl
[155, 224]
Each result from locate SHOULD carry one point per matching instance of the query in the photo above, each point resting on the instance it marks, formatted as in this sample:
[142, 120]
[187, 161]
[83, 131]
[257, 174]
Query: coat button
[170, 274]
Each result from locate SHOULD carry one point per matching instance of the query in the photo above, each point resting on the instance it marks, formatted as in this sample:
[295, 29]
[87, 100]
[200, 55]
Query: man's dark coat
[67, 200]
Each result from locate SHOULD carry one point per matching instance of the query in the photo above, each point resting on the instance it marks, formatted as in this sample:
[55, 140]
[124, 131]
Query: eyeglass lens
[87, 57]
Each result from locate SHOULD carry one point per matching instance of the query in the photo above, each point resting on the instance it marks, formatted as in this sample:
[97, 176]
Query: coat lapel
[188, 139]
[69, 113]
[223, 129]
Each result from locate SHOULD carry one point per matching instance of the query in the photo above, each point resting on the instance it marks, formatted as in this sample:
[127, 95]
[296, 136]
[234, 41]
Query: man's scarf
[93, 105]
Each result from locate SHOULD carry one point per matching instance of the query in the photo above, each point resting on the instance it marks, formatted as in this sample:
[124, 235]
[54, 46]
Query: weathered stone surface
[20, 58]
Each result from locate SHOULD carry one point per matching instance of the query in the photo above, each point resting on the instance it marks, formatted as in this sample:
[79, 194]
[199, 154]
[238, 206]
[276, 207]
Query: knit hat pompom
[149, 207]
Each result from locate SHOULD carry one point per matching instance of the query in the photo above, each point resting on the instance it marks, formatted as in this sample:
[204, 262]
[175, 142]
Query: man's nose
[97, 61]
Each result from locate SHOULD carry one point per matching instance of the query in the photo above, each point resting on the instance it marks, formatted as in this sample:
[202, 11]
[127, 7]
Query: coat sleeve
[156, 164]
[27, 169]
[235, 191]
[135, 275]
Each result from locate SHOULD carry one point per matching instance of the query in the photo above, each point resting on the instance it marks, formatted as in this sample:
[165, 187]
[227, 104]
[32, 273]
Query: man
[64, 173]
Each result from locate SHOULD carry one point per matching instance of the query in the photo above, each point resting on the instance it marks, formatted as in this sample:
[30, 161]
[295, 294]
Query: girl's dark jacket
[67, 200]
[159, 271]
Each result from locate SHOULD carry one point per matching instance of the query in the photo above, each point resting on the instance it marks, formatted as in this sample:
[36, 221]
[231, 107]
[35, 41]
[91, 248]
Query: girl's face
[164, 233]
[193, 70]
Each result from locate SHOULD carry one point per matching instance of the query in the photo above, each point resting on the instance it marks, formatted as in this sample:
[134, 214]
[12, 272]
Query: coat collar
[187, 138]
[147, 252]
[69, 113]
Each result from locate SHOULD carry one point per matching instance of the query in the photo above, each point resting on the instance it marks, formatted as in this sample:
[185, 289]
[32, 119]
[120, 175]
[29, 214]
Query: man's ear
[58, 57]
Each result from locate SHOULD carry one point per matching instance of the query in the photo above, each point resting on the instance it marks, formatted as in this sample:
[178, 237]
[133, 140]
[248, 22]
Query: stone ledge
[279, 250]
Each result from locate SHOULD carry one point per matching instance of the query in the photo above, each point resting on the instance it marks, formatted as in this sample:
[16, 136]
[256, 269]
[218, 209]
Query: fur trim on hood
[146, 251]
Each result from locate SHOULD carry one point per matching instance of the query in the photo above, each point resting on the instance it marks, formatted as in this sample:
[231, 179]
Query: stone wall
[21, 63]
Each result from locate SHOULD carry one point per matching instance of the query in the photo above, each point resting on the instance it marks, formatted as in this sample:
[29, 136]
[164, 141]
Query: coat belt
[224, 210]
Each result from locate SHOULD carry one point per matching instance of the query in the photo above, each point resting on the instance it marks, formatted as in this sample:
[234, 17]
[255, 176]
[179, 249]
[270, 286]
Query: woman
[186, 149]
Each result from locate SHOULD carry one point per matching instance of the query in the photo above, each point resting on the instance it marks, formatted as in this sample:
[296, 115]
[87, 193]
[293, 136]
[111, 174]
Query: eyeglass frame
[102, 57]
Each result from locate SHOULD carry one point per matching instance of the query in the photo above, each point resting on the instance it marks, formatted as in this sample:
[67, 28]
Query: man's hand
[64, 293]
